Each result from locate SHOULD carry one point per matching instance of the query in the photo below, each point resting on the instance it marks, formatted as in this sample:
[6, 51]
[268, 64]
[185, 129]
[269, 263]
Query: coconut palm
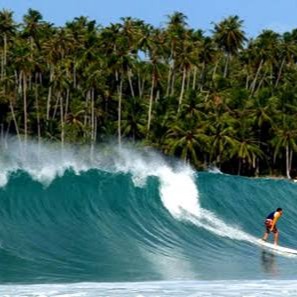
[33, 21]
[175, 33]
[230, 37]
[7, 29]
[186, 58]
[264, 52]
[285, 135]
[221, 130]
[206, 99]
[186, 140]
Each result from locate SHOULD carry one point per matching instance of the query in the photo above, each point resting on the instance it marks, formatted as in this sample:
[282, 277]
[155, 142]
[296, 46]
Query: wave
[125, 214]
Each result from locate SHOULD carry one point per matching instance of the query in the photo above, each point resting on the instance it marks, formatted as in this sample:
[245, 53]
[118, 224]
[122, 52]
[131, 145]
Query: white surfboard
[277, 248]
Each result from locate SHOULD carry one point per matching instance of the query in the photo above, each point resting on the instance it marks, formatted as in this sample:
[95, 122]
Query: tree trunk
[67, 104]
[247, 81]
[140, 89]
[30, 81]
[15, 121]
[201, 78]
[215, 70]
[253, 84]
[280, 72]
[25, 108]
[37, 112]
[48, 105]
[2, 135]
[288, 169]
[74, 76]
[5, 53]
[86, 114]
[95, 130]
[188, 80]
[257, 169]
[157, 96]
[120, 91]
[171, 60]
[129, 74]
[182, 88]
[239, 166]
[290, 161]
[261, 82]
[151, 103]
[20, 84]
[218, 160]
[92, 121]
[62, 121]
[2, 66]
[56, 107]
[6, 134]
[168, 81]
[172, 84]
[226, 65]
[194, 78]
[3, 63]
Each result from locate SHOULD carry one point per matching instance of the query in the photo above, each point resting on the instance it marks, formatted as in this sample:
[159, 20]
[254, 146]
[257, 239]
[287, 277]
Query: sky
[279, 15]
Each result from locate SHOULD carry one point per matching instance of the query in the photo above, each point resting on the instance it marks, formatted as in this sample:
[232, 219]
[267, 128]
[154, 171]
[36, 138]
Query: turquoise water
[133, 216]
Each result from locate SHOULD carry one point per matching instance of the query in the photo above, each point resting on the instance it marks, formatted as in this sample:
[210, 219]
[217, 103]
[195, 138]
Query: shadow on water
[269, 263]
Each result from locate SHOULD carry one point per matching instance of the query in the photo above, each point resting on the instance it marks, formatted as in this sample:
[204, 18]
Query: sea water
[130, 222]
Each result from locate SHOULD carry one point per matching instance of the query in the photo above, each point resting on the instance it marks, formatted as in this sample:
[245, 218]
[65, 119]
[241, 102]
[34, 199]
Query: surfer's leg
[267, 224]
[276, 234]
[265, 236]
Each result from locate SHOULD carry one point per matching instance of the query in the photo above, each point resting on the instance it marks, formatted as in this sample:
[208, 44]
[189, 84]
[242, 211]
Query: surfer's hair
[279, 209]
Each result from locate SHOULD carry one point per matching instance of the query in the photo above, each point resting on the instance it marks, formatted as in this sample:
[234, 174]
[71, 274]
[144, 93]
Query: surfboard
[277, 248]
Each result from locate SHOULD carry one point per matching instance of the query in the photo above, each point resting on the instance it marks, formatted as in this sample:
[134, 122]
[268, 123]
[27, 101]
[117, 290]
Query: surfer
[270, 224]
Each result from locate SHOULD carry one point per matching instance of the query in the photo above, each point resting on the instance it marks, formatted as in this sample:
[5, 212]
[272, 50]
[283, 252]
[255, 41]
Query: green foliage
[217, 99]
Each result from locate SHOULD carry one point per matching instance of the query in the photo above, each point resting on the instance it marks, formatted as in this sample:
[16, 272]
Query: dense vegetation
[219, 100]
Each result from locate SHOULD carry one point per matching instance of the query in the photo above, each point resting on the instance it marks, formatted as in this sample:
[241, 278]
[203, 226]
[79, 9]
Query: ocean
[131, 222]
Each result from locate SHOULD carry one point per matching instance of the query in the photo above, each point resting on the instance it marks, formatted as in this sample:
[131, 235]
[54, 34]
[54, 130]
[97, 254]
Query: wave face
[130, 215]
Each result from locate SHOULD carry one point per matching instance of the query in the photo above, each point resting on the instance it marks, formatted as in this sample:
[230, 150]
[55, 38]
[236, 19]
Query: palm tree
[230, 37]
[265, 52]
[154, 51]
[7, 29]
[24, 64]
[221, 130]
[115, 47]
[175, 32]
[285, 135]
[204, 99]
[55, 49]
[185, 140]
[164, 118]
[207, 55]
[10, 95]
[247, 147]
[247, 150]
[133, 121]
[287, 53]
[33, 21]
[186, 57]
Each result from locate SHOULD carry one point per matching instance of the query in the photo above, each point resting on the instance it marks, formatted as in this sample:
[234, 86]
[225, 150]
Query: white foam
[43, 162]
[180, 196]
[214, 169]
[3, 179]
[179, 192]
[225, 288]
